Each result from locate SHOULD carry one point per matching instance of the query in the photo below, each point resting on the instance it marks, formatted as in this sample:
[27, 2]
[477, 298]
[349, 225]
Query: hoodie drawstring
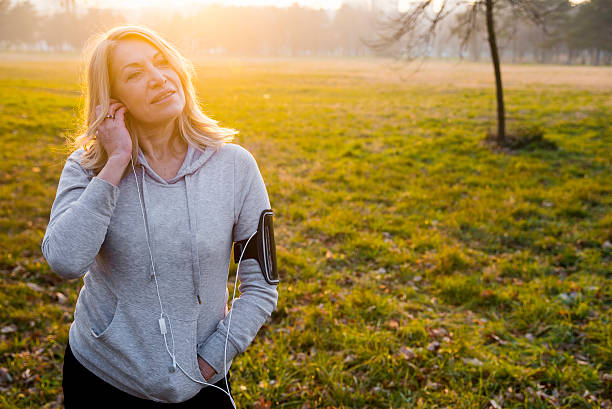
[144, 205]
[193, 228]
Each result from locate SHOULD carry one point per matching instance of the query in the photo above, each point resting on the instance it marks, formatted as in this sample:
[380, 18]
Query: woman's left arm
[257, 298]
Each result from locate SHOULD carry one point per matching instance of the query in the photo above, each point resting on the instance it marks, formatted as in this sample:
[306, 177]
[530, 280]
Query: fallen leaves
[487, 294]
[61, 298]
[439, 332]
[5, 377]
[349, 358]
[28, 377]
[262, 403]
[392, 324]
[472, 361]
[35, 287]
[407, 353]
[497, 339]
[8, 328]
[433, 346]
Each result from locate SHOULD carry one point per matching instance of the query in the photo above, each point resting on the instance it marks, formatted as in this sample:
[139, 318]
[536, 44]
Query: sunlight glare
[194, 4]
[405, 5]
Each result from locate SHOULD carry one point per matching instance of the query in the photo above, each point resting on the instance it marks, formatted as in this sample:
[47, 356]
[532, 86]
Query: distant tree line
[580, 34]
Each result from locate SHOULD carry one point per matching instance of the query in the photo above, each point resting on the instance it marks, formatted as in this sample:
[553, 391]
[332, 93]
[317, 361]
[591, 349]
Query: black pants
[83, 389]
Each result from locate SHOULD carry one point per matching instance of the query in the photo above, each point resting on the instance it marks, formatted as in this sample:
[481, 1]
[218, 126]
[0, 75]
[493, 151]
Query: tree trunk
[501, 120]
[514, 45]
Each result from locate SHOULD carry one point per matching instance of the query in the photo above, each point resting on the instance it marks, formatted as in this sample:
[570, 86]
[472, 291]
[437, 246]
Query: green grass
[397, 230]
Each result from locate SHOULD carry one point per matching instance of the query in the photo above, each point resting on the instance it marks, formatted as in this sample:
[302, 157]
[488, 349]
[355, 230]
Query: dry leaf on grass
[407, 352]
[262, 403]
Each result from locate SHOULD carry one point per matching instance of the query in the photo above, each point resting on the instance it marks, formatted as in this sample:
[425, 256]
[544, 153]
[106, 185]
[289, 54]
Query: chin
[164, 115]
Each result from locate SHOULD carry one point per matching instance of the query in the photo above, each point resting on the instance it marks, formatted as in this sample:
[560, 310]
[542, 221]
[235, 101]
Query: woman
[147, 207]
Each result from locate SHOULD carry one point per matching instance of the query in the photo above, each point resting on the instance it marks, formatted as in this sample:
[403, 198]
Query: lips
[162, 95]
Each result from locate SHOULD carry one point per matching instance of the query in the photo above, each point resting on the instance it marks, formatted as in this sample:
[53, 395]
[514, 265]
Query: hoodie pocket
[102, 334]
[136, 348]
[195, 366]
[130, 337]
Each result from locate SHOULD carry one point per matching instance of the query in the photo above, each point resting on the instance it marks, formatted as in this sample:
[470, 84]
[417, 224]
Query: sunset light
[256, 204]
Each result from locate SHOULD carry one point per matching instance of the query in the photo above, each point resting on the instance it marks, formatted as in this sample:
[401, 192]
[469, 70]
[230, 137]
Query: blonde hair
[193, 126]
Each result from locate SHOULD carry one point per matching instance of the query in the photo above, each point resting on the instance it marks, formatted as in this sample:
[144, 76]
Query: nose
[157, 78]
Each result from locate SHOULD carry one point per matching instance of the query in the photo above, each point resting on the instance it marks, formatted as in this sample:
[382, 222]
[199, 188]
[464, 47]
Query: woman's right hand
[112, 132]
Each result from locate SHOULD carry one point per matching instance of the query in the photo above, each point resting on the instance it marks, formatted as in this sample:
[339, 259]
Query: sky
[185, 3]
[50, 5]
[44, 5]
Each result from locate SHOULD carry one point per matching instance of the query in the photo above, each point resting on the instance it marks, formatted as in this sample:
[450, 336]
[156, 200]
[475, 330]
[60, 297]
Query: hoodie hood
[194, 159]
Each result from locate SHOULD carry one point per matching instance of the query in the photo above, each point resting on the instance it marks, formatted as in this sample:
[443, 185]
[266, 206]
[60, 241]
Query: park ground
[420, 267]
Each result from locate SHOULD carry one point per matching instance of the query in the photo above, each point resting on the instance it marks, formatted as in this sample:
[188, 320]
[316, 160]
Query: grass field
[420, 267]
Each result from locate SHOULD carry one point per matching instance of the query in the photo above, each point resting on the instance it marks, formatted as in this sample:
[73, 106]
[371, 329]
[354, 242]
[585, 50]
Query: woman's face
[139, 74]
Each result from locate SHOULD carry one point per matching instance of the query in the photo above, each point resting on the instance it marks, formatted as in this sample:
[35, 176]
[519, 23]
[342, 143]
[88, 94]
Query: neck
[159, 142]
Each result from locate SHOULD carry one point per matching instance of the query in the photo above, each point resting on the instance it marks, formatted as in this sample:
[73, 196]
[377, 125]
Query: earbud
[173, 366]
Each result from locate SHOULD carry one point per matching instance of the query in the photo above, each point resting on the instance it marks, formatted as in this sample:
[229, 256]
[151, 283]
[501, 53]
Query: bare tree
[418, 25]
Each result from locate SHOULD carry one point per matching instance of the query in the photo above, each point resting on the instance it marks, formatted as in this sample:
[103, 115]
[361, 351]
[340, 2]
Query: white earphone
[162, 323]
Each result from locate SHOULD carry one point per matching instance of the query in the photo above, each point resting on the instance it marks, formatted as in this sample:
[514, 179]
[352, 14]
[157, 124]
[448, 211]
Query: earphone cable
[173, 353]
[229, 320]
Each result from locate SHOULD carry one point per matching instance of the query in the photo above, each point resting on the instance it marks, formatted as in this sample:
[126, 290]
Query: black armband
[261, 247]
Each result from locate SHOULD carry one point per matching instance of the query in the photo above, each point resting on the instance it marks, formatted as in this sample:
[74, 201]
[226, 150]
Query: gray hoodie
[96, 231]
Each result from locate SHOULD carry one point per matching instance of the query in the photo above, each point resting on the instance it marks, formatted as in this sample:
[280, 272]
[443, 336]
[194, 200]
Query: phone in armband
[261, 247]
